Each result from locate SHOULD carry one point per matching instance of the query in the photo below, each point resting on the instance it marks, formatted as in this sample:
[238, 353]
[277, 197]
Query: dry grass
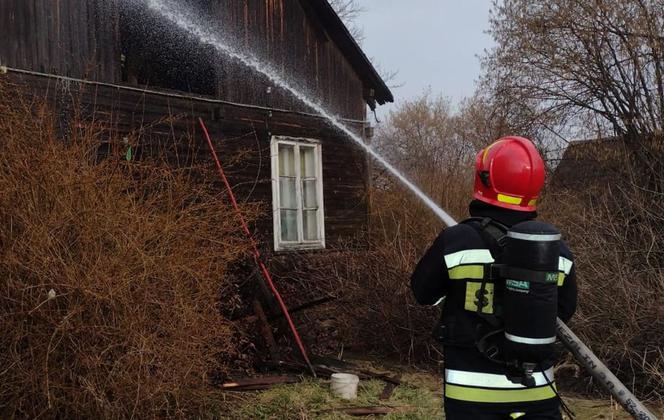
[112, 278]
[418, 397]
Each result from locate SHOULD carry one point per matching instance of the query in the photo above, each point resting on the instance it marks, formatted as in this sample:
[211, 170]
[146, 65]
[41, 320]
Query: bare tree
[349, 11]
[599, 57]
[598, 63]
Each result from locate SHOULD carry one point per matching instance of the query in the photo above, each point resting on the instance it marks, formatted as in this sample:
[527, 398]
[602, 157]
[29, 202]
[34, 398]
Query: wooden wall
[163, 126]
[287, 35]
[86, 39]
[76, 38]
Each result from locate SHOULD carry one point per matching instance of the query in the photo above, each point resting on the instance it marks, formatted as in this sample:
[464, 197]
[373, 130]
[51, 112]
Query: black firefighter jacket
[458, 256]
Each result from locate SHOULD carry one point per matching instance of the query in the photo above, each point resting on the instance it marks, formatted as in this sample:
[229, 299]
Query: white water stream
[185, 20]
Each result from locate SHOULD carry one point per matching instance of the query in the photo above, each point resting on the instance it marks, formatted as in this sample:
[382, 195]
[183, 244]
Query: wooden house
[135, 73]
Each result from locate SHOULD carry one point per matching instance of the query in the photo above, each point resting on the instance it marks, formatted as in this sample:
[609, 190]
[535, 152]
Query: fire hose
[598, 370]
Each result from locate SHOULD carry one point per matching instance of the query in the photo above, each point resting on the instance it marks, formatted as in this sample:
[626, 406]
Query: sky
[430, 43]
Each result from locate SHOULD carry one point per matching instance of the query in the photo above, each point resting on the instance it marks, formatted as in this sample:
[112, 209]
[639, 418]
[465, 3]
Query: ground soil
[419, 397]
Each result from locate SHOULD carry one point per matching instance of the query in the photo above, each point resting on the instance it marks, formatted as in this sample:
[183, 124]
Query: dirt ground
[419, 397]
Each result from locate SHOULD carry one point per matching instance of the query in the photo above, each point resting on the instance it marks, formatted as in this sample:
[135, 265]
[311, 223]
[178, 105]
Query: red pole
[256, 252]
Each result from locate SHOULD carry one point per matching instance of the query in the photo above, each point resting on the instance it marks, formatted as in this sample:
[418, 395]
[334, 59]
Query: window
[297, 194]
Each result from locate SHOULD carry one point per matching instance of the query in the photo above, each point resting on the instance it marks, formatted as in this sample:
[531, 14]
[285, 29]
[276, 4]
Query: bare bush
[112, 278]
[616, 227]
[426, 140]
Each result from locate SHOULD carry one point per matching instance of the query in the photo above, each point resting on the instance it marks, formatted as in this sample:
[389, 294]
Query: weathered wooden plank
[252, 384]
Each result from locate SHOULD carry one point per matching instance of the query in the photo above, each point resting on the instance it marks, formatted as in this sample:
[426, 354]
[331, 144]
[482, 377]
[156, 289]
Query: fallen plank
[383, 376]
[264, 382]
[305, 306]
[367, 411]
[344, 366]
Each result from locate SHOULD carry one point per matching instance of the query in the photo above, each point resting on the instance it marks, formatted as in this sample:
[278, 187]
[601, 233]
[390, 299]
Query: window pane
[310, 199]
[310, 221]
[308, 162]
[286, 160]
[287, 194]
[289, 225]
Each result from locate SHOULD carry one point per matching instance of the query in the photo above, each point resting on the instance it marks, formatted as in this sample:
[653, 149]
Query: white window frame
[300, 244]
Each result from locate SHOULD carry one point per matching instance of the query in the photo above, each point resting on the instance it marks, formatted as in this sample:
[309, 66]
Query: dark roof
[603, 160]
[376, 91]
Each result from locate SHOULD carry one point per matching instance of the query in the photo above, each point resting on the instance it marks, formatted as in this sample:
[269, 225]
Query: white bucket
[344, 385]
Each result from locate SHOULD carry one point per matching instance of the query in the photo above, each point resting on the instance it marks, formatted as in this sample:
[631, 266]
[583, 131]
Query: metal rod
[5, 70]
[258, 258]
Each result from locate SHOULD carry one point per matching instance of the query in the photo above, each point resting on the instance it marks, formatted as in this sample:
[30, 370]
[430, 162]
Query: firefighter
[483, 380]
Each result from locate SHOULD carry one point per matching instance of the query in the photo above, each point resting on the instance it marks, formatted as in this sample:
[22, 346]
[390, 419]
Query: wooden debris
[382, 376]
[337, 366]
[305, 306]
[388, 391]
[252, 384]
[266, 331]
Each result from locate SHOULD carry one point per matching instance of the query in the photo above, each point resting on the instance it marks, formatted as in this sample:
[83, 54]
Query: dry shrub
[111, 275]
[375, 312]
[615, 227]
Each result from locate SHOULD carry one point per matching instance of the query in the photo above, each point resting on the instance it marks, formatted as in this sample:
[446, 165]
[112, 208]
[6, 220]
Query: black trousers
[455, 410]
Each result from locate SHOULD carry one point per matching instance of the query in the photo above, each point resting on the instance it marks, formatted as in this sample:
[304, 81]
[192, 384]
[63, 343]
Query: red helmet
[510, 174]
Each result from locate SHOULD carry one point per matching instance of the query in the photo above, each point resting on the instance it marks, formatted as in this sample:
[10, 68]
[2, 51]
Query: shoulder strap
[491, 231]
[494, 235]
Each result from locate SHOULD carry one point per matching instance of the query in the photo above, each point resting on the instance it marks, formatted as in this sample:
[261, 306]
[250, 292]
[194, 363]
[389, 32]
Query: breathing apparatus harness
[525, 279]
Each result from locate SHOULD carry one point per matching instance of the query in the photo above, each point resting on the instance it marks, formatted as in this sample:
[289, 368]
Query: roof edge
[376, 90]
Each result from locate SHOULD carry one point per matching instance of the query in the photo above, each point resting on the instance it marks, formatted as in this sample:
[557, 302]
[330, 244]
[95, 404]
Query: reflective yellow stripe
[472, 298]
[509, 199]
[498, 395]
[486, 151]
[467, 272]
[561, 279]
[517, 415]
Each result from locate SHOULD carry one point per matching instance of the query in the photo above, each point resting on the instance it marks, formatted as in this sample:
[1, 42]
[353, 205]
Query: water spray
[185, 20]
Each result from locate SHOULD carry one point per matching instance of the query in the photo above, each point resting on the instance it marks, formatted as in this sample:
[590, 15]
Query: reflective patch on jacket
[477, 298]
[468, 265]
[496, 388]
[564, 268]
[468, 256]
